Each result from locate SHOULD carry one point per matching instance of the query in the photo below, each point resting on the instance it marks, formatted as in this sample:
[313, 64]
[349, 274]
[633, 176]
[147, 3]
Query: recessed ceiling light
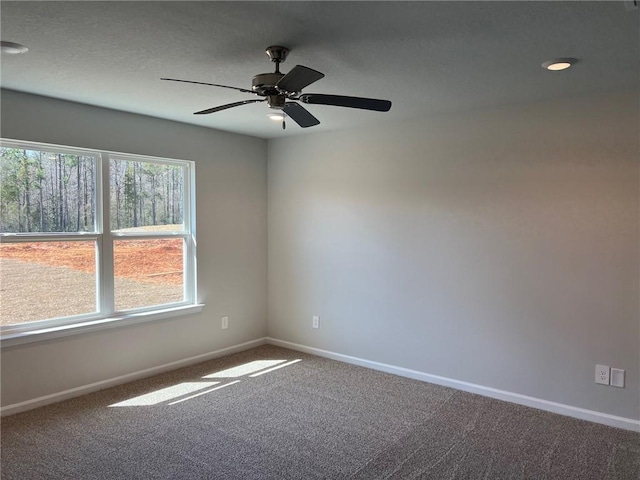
[558, 64]
[276, 117]
[12, 48]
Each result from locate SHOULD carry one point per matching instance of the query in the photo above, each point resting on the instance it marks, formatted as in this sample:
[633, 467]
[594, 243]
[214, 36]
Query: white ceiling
[426, 57]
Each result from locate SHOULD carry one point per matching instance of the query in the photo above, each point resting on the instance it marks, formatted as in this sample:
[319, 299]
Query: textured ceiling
[428, 58]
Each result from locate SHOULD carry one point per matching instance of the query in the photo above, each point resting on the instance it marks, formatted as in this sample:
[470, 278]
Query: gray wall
[232, 242]
[494, 247]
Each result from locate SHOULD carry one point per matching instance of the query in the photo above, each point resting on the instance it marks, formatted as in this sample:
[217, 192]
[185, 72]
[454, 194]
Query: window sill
[44, 334]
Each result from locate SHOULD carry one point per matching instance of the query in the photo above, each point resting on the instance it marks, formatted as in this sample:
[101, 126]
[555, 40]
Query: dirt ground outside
[52, 279]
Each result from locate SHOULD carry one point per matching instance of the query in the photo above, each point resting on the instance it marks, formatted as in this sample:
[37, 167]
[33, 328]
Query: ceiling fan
[282, 92]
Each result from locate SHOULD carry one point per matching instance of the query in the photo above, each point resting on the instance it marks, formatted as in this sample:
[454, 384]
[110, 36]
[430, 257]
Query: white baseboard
[112, 382]
[562, 409]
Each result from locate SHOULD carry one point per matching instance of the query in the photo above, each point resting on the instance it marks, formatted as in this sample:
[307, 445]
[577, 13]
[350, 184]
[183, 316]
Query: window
[92, 238]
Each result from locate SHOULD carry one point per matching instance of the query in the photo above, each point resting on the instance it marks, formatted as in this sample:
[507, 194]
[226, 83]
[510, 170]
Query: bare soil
[52, 279]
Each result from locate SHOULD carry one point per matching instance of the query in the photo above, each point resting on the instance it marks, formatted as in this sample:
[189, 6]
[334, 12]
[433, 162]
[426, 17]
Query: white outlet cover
[225, 323]
[602, 374]
[316, 322]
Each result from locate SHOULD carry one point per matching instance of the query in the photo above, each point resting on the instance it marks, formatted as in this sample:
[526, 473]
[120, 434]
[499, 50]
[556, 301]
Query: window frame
[106, 316]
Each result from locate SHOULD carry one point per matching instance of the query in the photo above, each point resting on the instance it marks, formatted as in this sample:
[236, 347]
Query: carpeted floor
[311, 419]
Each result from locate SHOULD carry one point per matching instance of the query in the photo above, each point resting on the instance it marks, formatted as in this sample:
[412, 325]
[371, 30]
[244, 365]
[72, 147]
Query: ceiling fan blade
[298, 78]
[228, 105]
[300, 115]
[210, 84]
[342, 101]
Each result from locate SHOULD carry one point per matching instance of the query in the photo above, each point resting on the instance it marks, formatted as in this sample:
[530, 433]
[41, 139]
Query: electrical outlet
[602, 374]
[316, 322]
[617, 377]
[225, 323]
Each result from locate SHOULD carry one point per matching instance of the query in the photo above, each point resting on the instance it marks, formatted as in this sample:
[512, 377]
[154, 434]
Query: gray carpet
[314, 419]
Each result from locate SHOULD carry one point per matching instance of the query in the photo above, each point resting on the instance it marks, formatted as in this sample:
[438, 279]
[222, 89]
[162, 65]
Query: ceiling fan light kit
[282, 92]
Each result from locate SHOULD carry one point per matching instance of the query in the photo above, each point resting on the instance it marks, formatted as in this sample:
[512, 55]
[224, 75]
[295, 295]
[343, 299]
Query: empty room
[320, 240]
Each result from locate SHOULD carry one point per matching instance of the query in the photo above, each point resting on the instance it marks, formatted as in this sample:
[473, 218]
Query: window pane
[146, 196]
[46, 192]
[148, 272]
[42, 280]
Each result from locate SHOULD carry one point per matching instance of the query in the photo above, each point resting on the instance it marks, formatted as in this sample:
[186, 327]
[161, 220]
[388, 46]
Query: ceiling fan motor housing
[265, 83]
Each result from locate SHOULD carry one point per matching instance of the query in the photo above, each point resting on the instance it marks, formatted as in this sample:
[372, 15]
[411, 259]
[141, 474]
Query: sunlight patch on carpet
[245, 369]
[164, 394]
[275, 368]
[205, 392]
